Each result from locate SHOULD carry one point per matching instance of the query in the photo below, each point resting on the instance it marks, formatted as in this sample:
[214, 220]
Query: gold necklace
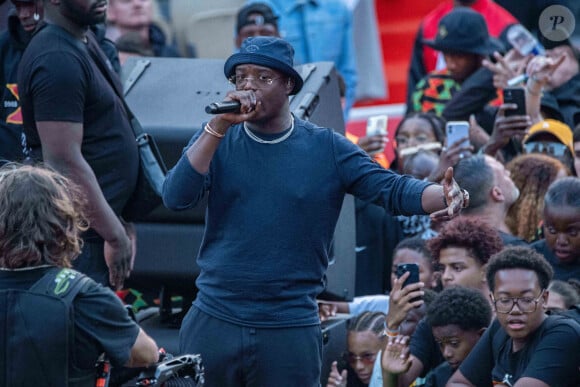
[274, 141]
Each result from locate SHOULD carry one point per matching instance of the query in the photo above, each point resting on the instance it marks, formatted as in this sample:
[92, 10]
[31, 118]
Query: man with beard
[74, 121]
[21, 24]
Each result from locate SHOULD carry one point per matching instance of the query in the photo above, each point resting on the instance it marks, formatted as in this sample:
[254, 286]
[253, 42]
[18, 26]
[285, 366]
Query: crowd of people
[490, 223]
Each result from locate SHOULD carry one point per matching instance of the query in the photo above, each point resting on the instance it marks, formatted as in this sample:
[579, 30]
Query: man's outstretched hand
[455, 198]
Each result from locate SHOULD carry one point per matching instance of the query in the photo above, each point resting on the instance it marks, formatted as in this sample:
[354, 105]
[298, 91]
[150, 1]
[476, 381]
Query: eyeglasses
[525, 304]
[552, 148]
[262, 81]
[367, 358]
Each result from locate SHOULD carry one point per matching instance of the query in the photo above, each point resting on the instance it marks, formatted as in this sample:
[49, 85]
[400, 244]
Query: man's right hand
[118, 257]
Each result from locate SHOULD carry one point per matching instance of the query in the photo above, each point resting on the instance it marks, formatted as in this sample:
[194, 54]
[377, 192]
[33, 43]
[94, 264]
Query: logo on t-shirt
[16, 116]
[507, 380]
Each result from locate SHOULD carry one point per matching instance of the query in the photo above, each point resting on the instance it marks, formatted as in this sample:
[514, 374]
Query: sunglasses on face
[366, 358]
[552, 148]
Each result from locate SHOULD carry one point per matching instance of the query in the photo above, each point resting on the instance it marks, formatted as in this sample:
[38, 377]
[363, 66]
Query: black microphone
[223, 107]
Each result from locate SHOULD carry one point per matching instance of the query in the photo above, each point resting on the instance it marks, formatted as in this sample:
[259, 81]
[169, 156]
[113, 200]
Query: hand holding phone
[413, 268]
[456, 131]
[377, 125]
[413, 278]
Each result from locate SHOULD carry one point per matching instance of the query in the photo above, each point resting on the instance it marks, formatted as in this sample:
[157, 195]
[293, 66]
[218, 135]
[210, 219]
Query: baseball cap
[558, 129]
[267, 15]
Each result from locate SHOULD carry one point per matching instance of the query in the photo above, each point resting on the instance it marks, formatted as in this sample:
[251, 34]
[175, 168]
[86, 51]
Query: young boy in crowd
[561, 243]
[524, 346]
[458, 317]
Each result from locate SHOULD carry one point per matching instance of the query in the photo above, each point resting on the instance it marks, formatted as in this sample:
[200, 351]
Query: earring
[36, 16]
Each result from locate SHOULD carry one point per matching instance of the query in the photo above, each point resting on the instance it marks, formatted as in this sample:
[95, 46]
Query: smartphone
[402, 268]
[515, 95]
[377, 125]
[455, 131]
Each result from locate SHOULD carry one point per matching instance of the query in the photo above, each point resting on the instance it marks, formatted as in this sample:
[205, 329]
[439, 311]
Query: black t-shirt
[439, 376]
[101, 322]
[550, 355]
[59, 81]
[561, 271]
[424, 347]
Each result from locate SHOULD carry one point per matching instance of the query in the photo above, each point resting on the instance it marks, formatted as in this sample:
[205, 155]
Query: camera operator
[44, 342]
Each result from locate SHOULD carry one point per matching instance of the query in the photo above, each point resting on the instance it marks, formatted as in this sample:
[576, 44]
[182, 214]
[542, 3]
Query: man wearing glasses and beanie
[275, 187]
[524, 346]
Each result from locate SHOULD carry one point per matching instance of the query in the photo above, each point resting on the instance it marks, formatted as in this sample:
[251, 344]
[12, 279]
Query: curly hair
[532, 174]
[41, 217]
[368, 321]
[474, 235]
[429, 295]
[464, 307]
[519, 257]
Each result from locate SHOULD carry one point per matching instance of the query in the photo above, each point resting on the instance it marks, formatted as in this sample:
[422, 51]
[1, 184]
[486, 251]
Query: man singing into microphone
[275, 187]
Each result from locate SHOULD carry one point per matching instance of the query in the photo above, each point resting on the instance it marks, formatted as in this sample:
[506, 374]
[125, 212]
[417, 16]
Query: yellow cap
[556, 128]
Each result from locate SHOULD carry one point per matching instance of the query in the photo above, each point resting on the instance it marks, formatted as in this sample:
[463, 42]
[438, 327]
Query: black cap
[264, 10]
[463, 30]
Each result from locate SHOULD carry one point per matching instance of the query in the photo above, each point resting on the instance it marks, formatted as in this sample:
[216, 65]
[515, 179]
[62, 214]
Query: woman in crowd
[532, 174]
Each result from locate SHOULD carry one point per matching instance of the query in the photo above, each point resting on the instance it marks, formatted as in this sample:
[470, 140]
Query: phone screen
[377, 125]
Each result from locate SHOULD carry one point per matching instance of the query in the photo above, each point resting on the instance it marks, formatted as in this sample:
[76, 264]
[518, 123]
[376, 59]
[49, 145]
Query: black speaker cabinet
[169, 96]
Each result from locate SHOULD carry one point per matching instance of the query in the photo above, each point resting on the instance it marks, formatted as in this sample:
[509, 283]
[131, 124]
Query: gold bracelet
[210, 130]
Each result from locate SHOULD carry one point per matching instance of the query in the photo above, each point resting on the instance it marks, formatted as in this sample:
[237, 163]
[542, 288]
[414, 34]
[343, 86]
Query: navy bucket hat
[267, 51]
[463, 30]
